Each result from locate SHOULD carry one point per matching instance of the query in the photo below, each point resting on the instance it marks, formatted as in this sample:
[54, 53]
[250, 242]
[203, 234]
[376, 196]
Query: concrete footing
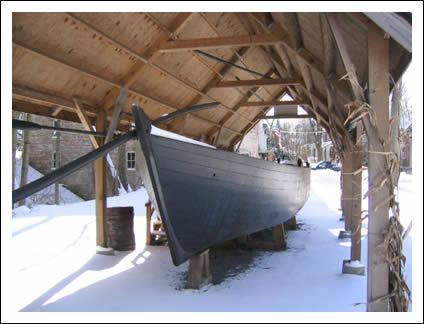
[354, 267]
[345, 234]
[105, 250]
[199, 271]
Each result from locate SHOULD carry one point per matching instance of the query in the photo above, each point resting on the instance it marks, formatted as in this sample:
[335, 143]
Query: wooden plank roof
[165, 61]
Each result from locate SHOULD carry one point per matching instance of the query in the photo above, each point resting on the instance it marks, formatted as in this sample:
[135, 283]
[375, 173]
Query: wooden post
[100, 185]
[291, 224]
[59, 162]
[148, 222]
[378, 204]
[279, 237]
[198, 271]
[14, 140]
[24, 158]
[346, 195]
[356, 205]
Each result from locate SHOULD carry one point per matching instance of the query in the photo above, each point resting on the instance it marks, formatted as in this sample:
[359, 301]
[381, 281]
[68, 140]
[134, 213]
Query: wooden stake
[100, 185]
[378, 81]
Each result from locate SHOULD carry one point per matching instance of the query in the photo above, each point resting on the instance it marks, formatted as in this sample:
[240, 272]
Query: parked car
[336, 167]
[326, 165]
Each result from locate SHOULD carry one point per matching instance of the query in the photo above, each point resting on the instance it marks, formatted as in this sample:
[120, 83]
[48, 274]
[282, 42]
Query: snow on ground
[47, 194]
[55, 267]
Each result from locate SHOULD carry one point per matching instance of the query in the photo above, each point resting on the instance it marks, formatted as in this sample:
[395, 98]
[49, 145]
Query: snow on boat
[206, 196]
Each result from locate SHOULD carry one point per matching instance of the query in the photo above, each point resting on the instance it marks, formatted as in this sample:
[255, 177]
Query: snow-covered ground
[55, 268]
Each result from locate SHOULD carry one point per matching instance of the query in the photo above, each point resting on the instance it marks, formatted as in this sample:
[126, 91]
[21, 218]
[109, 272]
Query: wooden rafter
[329, 63]
[292, 23]
[150, 55]
[40, 98]
[256, 83]
[245, 97]
[154, 65]
[273, 103]
[350, 67]
[199, 58]
[307, 59]
[304, 55]
[219, 42]
[227, 117]
[115, 84]
[288, 116]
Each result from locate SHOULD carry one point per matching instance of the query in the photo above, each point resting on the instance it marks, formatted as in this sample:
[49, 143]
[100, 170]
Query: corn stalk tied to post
[390, 249]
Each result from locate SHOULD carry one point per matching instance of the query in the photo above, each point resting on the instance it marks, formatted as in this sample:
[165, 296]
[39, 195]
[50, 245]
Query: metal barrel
[120, 228]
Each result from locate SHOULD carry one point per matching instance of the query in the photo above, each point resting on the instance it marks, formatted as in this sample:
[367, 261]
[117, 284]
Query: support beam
[85, 121]
[100, 185]
[378, 203]
[288, 116]
[219, 42]
[116, 113]
[256, 83]
[24, 94]
[352, 159]
[342, 46]
[273, 103]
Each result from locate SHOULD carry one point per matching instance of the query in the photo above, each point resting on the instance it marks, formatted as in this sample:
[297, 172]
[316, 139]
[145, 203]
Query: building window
[56, 123]
[131, 160]
[55, 160]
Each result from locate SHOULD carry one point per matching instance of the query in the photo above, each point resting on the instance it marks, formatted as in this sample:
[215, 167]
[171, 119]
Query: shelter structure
[340, 67]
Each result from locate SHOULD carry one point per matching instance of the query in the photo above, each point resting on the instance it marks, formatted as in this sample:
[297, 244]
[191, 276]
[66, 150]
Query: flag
[277, 136]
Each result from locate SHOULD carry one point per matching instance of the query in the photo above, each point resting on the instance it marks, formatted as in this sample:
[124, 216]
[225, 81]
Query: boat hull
[206, 196]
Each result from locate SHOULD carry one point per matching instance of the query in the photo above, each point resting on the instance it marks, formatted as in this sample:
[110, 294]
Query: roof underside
[60, 57]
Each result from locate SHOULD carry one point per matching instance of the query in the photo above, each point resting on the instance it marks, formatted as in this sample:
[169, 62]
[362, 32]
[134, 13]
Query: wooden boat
[206, 196]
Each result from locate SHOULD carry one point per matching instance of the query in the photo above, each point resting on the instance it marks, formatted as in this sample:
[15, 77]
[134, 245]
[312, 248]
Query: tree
[317, 137]
[401, 118]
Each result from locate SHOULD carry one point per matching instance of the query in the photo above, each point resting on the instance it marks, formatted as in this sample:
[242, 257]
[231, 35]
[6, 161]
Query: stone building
[254, 143]
[51, 149]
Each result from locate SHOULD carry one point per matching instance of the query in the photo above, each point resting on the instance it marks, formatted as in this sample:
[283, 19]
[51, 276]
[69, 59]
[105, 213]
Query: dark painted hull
[207, 196]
